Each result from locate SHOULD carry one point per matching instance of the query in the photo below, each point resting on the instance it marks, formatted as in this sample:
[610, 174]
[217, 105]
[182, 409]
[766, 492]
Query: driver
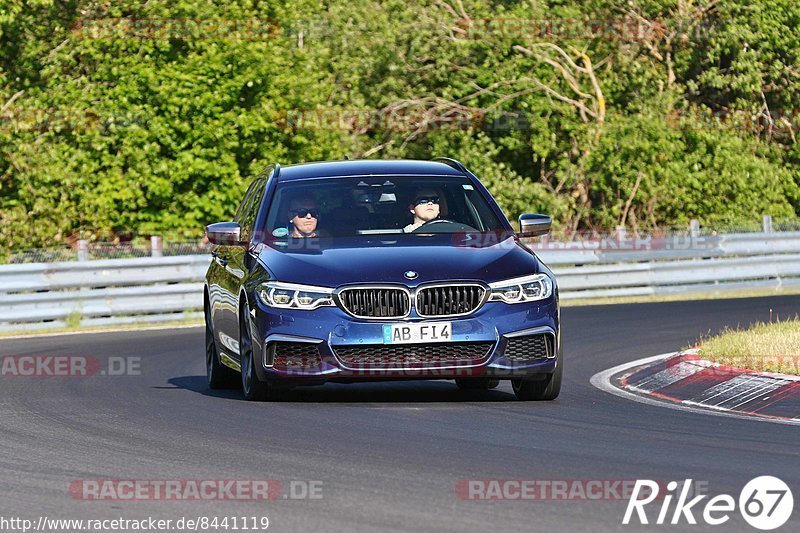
[303, 217]
[424, 207]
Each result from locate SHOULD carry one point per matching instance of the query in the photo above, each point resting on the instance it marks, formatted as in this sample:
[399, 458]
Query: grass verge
[765, 347]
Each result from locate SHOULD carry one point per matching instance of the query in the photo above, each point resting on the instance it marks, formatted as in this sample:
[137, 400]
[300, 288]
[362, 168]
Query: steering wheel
[442, 225]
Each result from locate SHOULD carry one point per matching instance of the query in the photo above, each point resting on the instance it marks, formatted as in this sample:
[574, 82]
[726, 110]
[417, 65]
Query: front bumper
[328, 332]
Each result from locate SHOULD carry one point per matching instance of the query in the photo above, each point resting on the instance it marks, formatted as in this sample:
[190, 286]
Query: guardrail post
[766, 223]
[156, 246]
[694, 227]
[83, 250]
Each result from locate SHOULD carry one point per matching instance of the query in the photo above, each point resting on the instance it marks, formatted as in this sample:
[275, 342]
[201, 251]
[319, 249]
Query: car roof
[368, 167]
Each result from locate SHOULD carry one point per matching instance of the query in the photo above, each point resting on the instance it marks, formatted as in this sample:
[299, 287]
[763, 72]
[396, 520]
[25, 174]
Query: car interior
[349, 207]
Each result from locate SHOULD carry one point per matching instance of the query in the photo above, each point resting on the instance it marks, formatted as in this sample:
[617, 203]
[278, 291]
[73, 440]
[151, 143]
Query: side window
[485, 216]
[243, 206]
[251, 210]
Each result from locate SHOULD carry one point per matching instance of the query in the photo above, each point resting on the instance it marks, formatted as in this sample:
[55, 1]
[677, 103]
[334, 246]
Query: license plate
[417, 333]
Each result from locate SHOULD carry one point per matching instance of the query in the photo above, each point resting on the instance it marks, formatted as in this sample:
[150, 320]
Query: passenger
[424, 207]
[303, 217]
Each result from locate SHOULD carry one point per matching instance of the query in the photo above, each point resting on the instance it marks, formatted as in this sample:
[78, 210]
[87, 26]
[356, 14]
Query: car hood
[338, 261]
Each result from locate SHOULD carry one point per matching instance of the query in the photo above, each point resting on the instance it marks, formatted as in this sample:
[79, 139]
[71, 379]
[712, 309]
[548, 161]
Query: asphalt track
[389, 455]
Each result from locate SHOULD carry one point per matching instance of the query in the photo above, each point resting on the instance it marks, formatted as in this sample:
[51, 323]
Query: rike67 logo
[765, 503]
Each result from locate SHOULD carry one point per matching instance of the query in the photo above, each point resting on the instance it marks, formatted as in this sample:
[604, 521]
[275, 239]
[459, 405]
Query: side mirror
[224, 233]
[534, 225]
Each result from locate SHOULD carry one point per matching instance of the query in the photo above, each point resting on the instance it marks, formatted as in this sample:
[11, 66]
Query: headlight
[293, 296]
[519, 290]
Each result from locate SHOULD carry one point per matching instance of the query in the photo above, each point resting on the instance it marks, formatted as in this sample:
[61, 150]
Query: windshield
[339, 207]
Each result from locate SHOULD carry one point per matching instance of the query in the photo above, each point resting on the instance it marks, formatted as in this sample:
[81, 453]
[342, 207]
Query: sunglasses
[303, 213]
[422, 200]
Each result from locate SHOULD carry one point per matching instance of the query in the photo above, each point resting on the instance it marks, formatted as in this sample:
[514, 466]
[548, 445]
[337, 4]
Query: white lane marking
[738, 391]
[93, 331]
[602, 381]
[756, 393]
[730, 389]
[668, 376]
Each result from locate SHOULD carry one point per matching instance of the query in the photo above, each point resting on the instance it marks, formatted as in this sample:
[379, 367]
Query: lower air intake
[529, 348]
[411, 355]
[294, 356]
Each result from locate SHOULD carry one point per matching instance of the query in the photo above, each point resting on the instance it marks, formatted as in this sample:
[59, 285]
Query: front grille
[449, 300]
[301, 356]
[405, 355]
[381, 302]
[530, 347]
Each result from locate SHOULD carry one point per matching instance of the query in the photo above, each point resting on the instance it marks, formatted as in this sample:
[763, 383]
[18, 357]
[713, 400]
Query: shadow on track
[419, 391]
[199, 384]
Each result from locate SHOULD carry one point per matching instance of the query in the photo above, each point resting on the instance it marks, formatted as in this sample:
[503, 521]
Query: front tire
[540, 390]
[253, 388]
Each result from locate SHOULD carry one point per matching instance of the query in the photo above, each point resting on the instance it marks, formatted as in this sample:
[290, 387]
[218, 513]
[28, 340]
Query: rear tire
[540, 390]
[253, 388]
[218, 375]
[477, 383]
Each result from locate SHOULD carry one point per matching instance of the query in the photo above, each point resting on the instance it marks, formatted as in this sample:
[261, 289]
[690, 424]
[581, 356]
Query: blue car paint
[334, 262]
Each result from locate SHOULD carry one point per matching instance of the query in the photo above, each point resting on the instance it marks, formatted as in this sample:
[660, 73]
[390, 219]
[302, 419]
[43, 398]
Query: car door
[240, 258]
[227, 279]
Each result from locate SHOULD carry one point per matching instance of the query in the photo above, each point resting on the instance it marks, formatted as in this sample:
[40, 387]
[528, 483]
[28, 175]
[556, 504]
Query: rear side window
[245, 201]
[250, 211]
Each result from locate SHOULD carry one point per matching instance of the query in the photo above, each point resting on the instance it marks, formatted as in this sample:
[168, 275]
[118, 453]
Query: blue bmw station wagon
[378, 270]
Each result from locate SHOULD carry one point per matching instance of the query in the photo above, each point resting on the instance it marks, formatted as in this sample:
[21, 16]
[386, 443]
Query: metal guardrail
[636, 249]
[100, 293]
[153, 289]
[673, 266]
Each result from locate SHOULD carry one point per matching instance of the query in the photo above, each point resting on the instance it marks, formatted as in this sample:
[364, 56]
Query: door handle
[220, 261]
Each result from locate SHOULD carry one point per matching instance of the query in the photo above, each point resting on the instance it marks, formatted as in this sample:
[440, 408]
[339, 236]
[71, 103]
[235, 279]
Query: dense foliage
[645, 113]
